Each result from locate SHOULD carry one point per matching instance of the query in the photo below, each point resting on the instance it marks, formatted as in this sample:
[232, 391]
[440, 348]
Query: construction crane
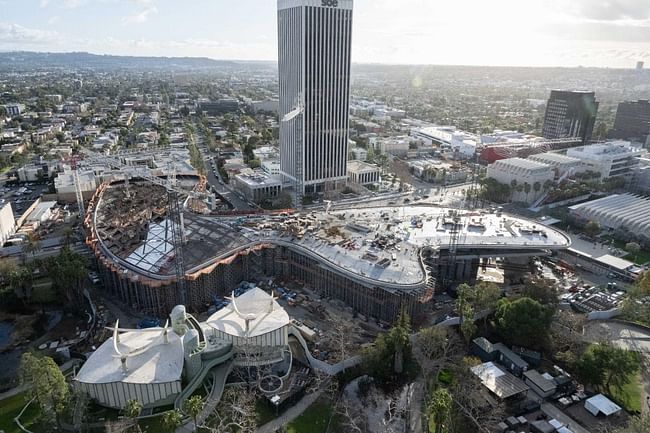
[175, 210]
[77, 187]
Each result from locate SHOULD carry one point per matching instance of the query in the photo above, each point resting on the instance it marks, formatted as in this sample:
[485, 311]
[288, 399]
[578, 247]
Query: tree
[482, 298]
[603, 365]
[193, 407]
[592, 228]
[537, 187]
[67, 269]
[524, 321]
[439, 409]
[391, 351]
[542, 291]
[235, 413]
[633, 248]
[171, 420]
[31, 246]
[185, 111]
[132, 410]
[637, 424]
[46, 383]
[527, 188]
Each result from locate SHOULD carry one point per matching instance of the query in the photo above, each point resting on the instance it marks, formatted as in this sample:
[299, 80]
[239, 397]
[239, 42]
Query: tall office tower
[639, 66]
[314, 42]
[570, 114]
[632, 121]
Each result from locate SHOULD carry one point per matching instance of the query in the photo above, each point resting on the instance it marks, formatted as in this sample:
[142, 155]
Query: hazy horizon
[535, 33]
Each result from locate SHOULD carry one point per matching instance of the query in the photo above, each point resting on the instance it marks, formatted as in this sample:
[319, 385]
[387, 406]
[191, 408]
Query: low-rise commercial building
[65, 185]
[257, 185]
[454, 144]
[562, 164]
[519, 171]
[617, 210]
[363, 173]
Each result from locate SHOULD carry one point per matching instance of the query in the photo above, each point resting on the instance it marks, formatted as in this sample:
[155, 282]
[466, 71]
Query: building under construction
[377, 261]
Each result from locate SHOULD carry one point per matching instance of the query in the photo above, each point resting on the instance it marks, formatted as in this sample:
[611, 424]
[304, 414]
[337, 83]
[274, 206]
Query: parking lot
[21, 196]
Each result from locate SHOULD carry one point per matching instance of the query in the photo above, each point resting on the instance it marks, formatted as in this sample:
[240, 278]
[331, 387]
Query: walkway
[294, 411]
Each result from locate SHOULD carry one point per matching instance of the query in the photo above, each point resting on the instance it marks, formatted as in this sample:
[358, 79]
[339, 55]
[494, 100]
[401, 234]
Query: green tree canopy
[523, 321]
[391, 351]
[171, 420]
[603, 365]
[637, 424]
[193, 407]
[46, 384]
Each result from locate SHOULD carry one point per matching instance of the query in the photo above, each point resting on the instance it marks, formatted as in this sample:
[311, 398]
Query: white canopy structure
[254, 318]
[601, 404]
[146, 365]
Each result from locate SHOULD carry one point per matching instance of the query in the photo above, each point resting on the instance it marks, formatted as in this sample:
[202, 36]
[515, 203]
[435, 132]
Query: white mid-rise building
[522, 172]
[611, 159]
[358, 154]
[7, 222]
[397, 146]
[271, 167]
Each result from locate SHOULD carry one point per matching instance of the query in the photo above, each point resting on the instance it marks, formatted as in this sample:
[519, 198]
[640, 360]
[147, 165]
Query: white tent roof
[159, 363]
[262, 312]
[601, 404]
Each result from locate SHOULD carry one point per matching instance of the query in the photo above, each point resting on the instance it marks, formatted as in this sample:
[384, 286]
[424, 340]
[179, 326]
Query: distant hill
[22, 60]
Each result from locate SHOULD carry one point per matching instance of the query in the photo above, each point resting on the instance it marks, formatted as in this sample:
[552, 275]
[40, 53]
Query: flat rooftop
[378, 244]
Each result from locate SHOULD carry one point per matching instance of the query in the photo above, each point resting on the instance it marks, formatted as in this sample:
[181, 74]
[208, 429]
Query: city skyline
[465, 32]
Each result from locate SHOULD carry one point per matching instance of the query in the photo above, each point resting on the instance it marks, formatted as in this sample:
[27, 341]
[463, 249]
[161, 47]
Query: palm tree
[193, 407]
[439, 408]
[132, 410]
[527, 188]
[171, 420]
[68, 232]
[31, 246]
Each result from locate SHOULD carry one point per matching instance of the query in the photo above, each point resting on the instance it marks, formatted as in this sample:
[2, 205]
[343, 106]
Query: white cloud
[44, 3]
[15, 34]
[73, 4]
[140, 17]
[53, 20]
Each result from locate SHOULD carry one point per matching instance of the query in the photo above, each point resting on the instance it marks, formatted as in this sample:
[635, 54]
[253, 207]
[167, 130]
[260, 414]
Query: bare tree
[235, 413]
[436, 348]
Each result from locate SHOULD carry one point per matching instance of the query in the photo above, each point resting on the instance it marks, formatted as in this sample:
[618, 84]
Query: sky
[600, 33]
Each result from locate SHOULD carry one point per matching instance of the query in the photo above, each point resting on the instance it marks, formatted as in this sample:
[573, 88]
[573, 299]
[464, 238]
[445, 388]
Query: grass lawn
[11, 407]
[315, 419]
[263, 411]
[630, 395]
[641, 258]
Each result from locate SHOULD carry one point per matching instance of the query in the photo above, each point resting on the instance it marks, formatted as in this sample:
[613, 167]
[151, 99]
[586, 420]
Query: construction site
[156, 250]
